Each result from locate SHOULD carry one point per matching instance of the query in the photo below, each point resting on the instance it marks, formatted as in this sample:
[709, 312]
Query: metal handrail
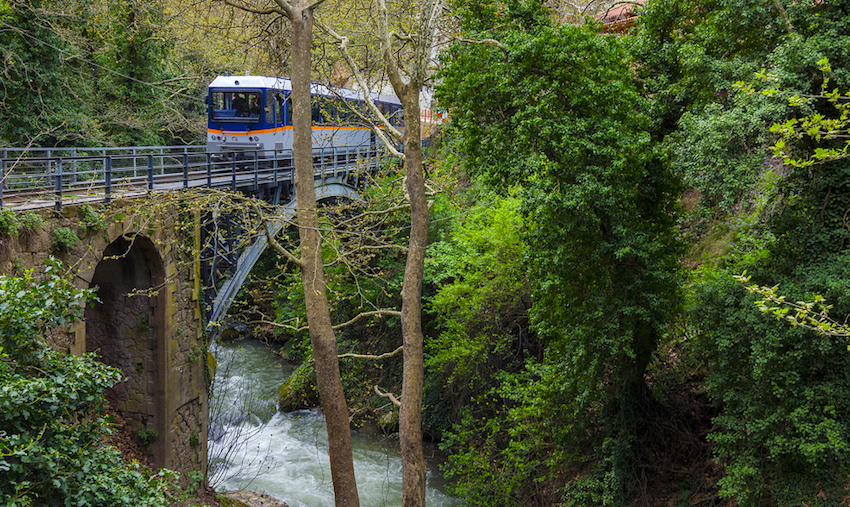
[56, 180]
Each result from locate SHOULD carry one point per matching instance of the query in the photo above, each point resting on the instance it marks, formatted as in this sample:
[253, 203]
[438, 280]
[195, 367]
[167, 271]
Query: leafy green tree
[36, 81]
[481, 305]
[691, 55]
[53, 420]
[562, 118]
[87, 74]
[781, 432]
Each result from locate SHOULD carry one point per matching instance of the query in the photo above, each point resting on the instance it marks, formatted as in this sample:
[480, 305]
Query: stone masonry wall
[156, 339]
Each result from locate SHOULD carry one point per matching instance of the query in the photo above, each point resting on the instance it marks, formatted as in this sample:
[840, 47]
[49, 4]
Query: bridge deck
[44, 178]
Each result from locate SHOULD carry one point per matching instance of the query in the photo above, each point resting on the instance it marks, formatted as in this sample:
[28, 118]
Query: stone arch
[127, 329]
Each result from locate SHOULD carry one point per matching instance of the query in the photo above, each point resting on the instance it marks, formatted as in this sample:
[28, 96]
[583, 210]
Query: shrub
[91, 220]
[147, 436]
[8, 222]
[30, 221]
[782, 433]
[63, 239]
[52, 420]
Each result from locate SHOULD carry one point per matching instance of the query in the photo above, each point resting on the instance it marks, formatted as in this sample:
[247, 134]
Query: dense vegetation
[53, 422]
[563, 107]
[89, 74]
[587, 342]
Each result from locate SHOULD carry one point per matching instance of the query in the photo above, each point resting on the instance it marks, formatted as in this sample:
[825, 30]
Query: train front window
[236, 107]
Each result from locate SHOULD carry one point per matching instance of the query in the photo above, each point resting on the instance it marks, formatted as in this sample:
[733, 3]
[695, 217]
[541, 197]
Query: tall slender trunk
[410, 413]
[322, 335]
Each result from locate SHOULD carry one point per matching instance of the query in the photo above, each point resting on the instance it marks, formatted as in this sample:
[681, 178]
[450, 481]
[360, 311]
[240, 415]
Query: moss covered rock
[299, 391]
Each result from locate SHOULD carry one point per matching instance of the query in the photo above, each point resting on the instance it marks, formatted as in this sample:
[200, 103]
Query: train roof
[282, 83]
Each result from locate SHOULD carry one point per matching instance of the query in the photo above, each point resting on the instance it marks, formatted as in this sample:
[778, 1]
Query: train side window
[316, 110]
[289, 110]
[280, 107]
[269, 107]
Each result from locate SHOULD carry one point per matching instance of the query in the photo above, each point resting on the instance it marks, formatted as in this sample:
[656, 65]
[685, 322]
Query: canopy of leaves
[781, 433]
[562, 118]
[94, 74]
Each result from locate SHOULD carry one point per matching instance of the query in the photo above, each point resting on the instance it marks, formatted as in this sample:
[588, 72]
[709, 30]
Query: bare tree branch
[297, 329]
[385, 125]
[492, 42]
[376, 313]
[271, 239]
[255, 10]
[391, 397]
[315, 4]
[373, 357]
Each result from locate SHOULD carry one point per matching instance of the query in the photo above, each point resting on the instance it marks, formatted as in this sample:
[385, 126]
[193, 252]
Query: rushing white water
[253, 446]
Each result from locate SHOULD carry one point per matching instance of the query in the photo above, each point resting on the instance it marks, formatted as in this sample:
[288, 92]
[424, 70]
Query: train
[254, 114]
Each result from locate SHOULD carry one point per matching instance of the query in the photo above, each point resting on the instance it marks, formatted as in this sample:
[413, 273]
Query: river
[254, 446]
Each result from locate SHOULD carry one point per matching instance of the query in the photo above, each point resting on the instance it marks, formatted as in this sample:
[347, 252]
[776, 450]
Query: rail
[44, 177]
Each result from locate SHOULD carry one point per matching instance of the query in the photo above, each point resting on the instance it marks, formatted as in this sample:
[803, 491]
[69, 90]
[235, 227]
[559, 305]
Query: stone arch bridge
[151, 320]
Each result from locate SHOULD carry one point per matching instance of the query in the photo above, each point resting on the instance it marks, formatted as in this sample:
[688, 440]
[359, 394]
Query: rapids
[254, 446]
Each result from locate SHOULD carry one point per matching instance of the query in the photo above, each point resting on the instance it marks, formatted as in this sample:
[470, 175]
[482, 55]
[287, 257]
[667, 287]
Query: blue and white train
[254, 113]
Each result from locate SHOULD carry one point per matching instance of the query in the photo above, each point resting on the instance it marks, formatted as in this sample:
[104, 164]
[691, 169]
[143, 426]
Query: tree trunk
[322, 335]
[410, 413]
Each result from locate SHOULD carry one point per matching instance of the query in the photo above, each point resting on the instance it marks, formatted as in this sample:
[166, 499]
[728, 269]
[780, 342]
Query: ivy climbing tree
[562, 118]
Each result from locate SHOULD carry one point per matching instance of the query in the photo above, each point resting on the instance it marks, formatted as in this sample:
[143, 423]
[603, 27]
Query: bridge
[57, 177]
[158, 340]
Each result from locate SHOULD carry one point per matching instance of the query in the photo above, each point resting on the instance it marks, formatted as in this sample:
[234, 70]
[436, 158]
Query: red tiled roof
[620, 17]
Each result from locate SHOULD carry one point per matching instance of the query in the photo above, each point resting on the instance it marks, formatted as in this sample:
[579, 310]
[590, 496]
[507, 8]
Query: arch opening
[127, 329]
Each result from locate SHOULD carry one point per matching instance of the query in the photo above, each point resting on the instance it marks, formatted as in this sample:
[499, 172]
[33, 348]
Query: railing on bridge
[44, 177]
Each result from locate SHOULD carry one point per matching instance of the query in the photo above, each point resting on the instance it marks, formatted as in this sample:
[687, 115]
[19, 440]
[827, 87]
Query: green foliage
[145, 323]
[782, 427]
[783, 433]
[812, 315]
[818, 129]
[63, 239]
[77, 74]
[12, 223]
[196, 353]
[147, 436]
[480, 304]
[563, 120]
[694, 69]
[53, 421]
[9, 222]
[30, 221]
[91, 220]
[720, 149]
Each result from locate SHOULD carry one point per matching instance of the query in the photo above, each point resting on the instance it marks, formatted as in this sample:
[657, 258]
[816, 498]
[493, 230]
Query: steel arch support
[224, 298]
